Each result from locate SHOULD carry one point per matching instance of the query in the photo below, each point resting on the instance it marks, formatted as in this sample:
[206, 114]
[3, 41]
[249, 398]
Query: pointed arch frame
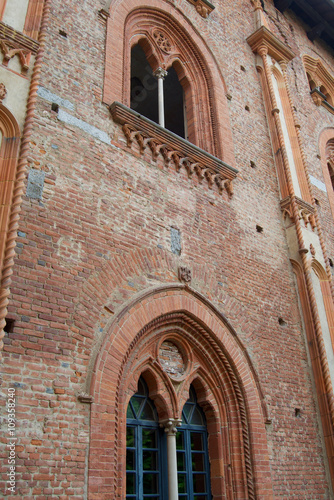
[127, 354]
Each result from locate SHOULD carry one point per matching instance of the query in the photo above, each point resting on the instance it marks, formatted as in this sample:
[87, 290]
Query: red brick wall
[100, 237]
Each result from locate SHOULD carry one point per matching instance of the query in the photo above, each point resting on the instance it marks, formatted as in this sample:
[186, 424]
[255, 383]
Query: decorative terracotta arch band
[215, 362]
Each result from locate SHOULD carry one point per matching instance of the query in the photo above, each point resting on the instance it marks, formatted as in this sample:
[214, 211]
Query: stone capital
[160, 73]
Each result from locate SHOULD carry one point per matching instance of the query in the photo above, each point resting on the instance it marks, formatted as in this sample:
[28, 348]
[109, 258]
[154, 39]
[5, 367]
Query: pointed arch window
[145, 445]
[159, 70]
[158, 94]
[192, 452]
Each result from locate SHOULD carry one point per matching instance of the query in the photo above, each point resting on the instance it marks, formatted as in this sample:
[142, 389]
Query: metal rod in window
[160, 74]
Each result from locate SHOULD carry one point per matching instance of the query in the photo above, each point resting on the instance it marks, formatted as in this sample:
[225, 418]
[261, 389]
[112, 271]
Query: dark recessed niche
[330, 262]
[281, 321]
[247, 108]
[297, 412]
[316, 201]
[63, 33]
[242, 68]
[9, 327]
[54, 107]
[259, 229]
[252, 164]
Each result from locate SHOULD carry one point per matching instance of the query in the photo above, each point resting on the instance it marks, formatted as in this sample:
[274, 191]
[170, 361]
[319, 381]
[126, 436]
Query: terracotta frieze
[173, 149]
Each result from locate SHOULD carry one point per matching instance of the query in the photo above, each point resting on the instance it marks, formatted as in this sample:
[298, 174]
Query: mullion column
[160, 74]
[171, 430]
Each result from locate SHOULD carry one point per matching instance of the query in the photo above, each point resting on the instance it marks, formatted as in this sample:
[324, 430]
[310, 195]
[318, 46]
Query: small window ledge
[173, 148]
[320, 99]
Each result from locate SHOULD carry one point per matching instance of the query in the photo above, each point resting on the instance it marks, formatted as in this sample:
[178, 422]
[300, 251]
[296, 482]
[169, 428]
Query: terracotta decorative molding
[184, 274]
[10, 50]
[173, 149]
[305, 211]
[33, 18]
[321, 83]
[104, 14]
[162, 41]
[203, 7]
[265, 39]
[11, 36]
[3, 92]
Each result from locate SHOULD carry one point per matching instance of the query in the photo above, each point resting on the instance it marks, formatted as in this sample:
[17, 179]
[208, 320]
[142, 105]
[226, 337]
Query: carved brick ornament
[3, 92]
[185, 274]
[305, 210]
[10, 50]
[173, 149]
[203, 7]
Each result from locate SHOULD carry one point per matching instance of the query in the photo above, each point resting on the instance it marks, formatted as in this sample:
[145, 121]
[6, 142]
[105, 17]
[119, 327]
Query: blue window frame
[145, 447]
[192, 453]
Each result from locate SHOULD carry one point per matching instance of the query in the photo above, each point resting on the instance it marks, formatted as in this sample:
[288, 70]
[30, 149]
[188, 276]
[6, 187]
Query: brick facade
[140, 254]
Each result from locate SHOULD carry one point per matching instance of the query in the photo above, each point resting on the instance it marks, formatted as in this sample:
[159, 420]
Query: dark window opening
[144, 93]
[331, 173]
[144, 86]
[174, 103]
[192, 452]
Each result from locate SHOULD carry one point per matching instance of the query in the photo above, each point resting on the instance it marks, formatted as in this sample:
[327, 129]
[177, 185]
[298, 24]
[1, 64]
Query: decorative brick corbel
[184, 274]
[203, 7]
[10, 50]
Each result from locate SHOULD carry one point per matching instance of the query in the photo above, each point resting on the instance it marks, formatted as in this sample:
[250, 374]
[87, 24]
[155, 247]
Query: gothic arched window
[144, 448]
[192, 452]
[149, 88]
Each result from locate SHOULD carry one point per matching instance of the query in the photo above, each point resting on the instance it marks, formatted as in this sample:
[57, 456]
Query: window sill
[173, 148]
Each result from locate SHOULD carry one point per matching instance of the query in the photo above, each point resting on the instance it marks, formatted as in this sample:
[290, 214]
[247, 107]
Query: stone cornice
[17, 38]
[173, 148]
[276, 49]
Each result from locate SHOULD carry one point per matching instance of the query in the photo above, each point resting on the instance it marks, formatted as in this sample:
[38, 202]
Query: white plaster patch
[89, 129]
[51, 97]
[320, 185]
[17, 93]
[15, 14]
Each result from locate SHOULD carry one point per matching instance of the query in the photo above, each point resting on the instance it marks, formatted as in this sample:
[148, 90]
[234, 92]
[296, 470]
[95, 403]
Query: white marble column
[171, 430]
[160, 74]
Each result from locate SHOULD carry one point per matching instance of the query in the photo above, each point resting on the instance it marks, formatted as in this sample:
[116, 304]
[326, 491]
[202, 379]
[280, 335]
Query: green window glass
[192, 453]
[144, 448]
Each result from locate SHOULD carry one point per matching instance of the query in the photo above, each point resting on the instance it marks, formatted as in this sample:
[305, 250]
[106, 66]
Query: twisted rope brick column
[302, 154]
[9, 255]
[263, 51]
